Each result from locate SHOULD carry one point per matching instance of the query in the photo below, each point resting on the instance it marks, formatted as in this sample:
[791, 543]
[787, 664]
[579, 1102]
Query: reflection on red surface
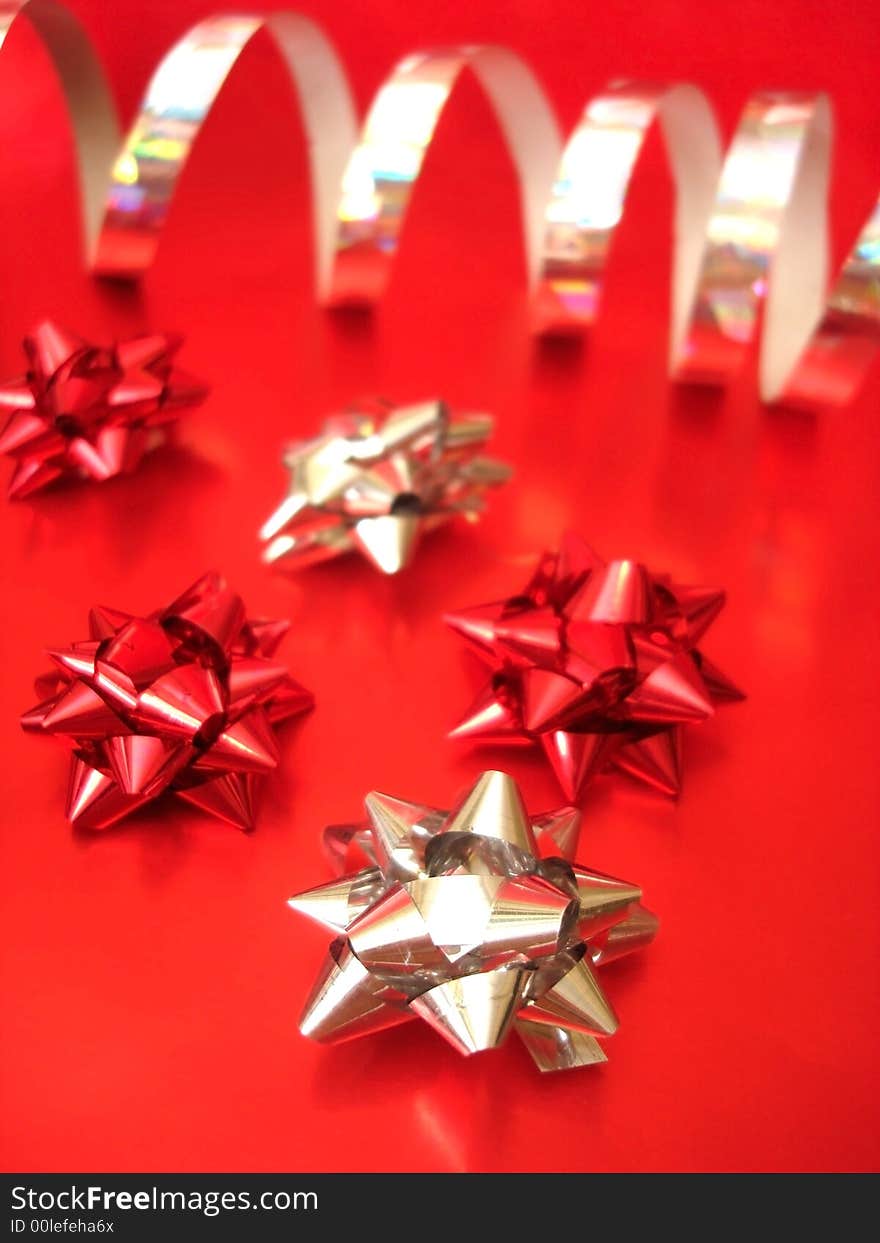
[151, 969]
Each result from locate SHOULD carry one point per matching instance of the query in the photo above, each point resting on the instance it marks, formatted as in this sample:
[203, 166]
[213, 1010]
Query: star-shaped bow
[476, 921]
[375, 480]
[182, 700]
[598, 664]
[85, 411]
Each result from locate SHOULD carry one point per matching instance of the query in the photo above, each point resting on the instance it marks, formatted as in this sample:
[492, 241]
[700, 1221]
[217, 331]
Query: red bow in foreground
[598, 664]
[183, 700]
[85, 411]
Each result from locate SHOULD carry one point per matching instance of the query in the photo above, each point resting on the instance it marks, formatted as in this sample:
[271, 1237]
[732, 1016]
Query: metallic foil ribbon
[476, 921]
[182, 701]
[750, 225]
[375, 480]
[597, 664]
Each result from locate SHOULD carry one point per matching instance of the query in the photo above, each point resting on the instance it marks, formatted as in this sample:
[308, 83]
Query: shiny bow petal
[375, 480]
[183, 701]
[597, 663]
[476, 921]
[86, 411]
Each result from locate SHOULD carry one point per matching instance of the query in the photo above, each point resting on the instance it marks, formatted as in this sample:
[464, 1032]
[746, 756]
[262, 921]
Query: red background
[153, 974]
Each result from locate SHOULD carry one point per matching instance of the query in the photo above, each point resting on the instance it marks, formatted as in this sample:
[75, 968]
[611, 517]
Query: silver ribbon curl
[749, 225]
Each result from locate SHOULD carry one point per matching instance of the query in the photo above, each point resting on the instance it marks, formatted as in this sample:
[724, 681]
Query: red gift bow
[88, 411]
[182, 700]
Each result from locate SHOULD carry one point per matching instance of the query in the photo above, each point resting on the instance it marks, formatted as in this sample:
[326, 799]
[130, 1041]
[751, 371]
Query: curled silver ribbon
[750, 226]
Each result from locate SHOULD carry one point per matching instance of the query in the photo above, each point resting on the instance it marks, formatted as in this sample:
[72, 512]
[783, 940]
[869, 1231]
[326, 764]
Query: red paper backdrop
[153, 975]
